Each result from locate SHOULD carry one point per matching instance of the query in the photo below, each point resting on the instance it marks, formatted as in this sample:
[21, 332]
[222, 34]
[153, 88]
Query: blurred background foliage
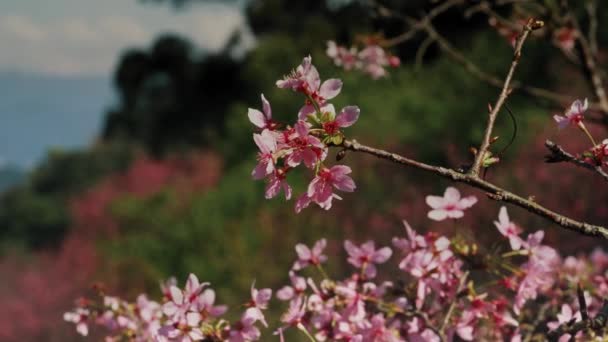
[166, 189]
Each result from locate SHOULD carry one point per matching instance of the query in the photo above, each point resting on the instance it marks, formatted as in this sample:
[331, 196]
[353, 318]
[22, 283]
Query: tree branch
[493, 191]
[531, 25]
[558, 155]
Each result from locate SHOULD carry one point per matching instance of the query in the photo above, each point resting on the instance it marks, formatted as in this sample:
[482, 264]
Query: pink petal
[467, 202]
[348, 116]
[303, 251]
[266, 142]
[176, 295]
[273, 188]
[285, 293]
[438, 214]
[305, 111]
[192, 284]
[350, 248]
[451, 195]
[454, 214]
[434, 201]
[193, 318]
[503, 216]
[340, 170]
[302, 202]
[301, 128]
[382, 255]
[286, 190]
[465, 333]
[330, 88]
[256, 117]
[266, 108]
[261, 170]
[346, 184]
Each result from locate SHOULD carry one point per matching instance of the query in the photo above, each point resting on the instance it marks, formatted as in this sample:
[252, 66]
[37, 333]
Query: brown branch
[493, 191]
[532, 24]
[596, 323]
[558, 155]
[416, 26]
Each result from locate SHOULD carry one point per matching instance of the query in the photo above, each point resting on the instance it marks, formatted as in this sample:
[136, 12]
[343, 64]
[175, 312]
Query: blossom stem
[322, 271]
[584, 129]
[515, 253]
[315, 104]
[305, 331]
[446, 319]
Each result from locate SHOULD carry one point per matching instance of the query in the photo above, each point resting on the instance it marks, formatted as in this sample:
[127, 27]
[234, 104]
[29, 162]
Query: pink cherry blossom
[186, 329]
[320, 189]
[79, 317]
[266, 164]
[262, 120]
[205, 304]
[245, 330]
[509, 229]
[366, 256]
[310, 256]
[305, 79]
[374, 59]
[304, 147]
[259, 301]
[297, 288]
[347, 117]
[182, 301]
[277, 181]
[341, 56]
[451, 205]
[565, 316]
[574, 115]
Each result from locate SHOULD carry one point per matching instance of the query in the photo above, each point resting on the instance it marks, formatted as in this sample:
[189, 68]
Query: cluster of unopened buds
[372, 59]
[318, 126]
[182, 315]
[445, 289]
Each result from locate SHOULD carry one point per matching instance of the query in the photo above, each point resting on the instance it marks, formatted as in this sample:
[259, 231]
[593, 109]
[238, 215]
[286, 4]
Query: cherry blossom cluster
[443, 289]
[188, 314]
[372, 59]
[317, 127]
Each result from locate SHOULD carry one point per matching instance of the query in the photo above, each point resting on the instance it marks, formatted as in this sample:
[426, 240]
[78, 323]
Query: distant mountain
[38, 112]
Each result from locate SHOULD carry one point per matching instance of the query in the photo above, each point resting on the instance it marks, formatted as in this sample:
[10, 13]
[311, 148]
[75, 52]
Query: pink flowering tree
[419, 286]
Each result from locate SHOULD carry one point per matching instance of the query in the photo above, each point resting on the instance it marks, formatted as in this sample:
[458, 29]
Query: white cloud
[90, 45]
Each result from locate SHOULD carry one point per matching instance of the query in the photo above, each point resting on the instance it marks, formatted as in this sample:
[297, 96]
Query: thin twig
[417, 25]
[492, 80]
[589, 57]
[591, 7]
[558, 155]
[446, 319]
[531, 25]
[494, 192]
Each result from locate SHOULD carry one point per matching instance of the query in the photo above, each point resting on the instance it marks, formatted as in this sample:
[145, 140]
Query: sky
[84, 37]
[58, 57]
